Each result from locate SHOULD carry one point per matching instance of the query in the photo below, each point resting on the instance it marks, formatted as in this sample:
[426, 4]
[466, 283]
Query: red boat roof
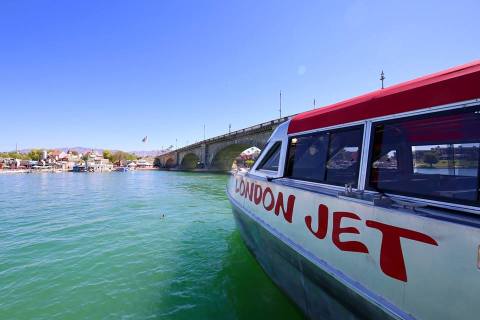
[452, 85]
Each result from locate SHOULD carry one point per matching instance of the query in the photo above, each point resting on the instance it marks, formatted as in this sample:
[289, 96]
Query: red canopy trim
[452, 85]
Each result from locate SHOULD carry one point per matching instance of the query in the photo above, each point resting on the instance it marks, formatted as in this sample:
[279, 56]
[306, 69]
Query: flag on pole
[144, 140]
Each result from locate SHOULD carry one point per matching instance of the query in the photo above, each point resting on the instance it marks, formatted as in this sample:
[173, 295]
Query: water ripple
[141, 245]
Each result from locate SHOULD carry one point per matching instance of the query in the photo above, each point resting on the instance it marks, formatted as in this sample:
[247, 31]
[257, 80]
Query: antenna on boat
[313, 103]
[280, 109]
[382, 77]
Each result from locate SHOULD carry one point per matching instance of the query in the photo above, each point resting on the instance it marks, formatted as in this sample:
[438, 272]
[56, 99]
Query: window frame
[364, 164]
[267, 157]
[287, 155]
[329, 130]
[450, 203]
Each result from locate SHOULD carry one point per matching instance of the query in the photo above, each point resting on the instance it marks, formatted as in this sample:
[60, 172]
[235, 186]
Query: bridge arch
[170, 163]
[190, 161]
[224, 158]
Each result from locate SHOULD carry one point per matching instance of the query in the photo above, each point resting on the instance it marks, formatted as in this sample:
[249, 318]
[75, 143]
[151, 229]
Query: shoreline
[18, 171]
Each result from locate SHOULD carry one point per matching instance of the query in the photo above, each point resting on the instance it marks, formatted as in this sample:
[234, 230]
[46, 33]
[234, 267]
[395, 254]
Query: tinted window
[344, 157]
[329, 157]
[307, 155]
[434, 156]
[272, 158]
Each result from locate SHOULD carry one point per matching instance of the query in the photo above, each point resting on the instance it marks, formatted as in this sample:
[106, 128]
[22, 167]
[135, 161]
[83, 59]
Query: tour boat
[369, 208]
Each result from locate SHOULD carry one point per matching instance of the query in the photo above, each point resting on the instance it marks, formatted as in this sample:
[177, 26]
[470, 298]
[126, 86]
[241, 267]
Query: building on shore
[143, 164]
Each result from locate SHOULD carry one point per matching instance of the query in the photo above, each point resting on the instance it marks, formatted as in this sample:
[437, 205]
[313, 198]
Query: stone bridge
[218, 153]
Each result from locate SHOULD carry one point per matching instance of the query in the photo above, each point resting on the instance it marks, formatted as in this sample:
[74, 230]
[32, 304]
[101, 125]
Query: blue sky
[104, 74]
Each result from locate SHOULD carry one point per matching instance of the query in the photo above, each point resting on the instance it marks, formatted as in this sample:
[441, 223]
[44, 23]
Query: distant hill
[152, 153]
[78, 149]
[140, 153]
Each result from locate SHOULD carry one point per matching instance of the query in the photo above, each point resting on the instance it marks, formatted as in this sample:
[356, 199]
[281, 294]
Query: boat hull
[339, 258]
[317, 293]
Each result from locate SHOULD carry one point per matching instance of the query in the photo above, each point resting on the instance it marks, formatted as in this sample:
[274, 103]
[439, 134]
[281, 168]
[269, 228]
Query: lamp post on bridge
[280, 107]
[382, 78]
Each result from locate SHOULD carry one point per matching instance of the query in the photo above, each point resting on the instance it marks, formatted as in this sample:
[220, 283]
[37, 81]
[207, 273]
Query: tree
[430, 158]
[16, 155]
[35, 154]
[108, 155]
[249, 163]
[121, 155]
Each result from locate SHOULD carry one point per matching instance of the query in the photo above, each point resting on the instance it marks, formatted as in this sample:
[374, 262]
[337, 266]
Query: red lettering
[391, 255]
[272, 199]
[354, 246]
[249, 190]
[322, 222]
[236, 186]
[257, 198]
[242, 188]
[279, 205]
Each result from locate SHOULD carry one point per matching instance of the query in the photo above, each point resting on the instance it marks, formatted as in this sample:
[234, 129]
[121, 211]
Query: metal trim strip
[363, 169]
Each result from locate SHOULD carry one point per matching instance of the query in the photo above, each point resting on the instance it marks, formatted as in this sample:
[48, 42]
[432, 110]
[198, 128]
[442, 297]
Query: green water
[96, 246]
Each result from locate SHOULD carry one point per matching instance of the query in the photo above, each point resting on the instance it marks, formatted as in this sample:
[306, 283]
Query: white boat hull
[337, 259]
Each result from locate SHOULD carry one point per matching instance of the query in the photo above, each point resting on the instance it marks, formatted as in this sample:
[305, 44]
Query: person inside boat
[330, 157]
[309, 155]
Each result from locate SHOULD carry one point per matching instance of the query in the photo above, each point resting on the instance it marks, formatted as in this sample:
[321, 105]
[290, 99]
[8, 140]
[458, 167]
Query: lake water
[136, 245]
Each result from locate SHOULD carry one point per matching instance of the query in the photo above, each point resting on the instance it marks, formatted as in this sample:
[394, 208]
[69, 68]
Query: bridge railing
[233, 133]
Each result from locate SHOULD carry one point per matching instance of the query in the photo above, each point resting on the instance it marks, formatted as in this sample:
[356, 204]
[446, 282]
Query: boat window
[434, 157]
[306, 157]
[344, 157]
[272, 158]
[330, 157]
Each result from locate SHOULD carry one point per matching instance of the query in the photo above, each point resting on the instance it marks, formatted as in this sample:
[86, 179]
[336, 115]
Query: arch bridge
[218, 153]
